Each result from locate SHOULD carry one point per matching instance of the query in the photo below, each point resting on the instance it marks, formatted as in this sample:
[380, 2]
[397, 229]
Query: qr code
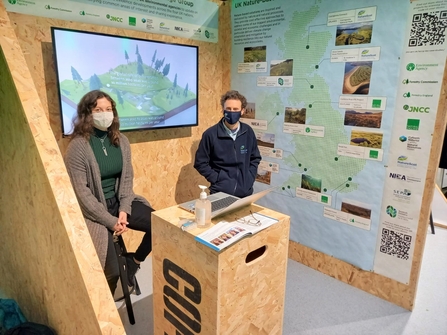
[395, 244]
[428, 29]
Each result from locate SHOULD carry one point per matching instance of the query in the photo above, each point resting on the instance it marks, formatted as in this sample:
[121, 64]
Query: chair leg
[431, 223]
[136, 288]
[119, 246]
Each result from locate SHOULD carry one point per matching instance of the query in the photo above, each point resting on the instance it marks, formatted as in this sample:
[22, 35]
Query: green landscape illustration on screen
[143, 93]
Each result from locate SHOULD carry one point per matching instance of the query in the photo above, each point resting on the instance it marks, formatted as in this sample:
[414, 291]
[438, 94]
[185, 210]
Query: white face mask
[102, 120]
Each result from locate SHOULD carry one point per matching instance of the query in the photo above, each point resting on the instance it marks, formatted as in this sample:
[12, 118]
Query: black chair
[121, 251]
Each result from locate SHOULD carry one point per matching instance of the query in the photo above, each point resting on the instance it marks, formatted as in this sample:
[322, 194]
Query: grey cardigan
[85, 177]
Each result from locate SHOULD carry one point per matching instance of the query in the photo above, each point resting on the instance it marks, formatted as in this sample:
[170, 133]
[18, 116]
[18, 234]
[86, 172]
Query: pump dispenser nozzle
[203, 194]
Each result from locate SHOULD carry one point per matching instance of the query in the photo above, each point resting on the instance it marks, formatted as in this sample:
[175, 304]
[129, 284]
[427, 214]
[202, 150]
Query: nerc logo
[364, 52]
[403, 138]
[397, 176]
[361, 12]
[178, 28]
[402, 158]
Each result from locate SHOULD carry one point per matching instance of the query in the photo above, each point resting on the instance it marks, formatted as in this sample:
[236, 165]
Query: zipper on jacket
[237, 172]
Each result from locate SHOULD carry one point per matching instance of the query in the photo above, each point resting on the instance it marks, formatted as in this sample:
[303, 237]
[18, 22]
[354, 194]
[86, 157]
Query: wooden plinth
[200, 291]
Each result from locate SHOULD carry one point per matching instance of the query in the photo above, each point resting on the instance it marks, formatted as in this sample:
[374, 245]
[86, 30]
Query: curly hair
[83, 124]
[233, 95]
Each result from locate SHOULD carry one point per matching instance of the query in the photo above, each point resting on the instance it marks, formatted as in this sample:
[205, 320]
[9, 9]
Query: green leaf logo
[411, 66]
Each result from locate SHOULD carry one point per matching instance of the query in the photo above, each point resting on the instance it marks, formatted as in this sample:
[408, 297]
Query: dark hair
[233, 95]
[83, 124]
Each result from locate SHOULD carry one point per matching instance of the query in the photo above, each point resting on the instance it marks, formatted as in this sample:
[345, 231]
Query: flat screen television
[154, 84]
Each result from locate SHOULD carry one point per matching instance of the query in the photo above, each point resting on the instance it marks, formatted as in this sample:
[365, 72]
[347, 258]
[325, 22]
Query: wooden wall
[48, 262]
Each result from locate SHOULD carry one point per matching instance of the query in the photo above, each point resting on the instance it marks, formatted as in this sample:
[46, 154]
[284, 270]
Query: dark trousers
[139, 220]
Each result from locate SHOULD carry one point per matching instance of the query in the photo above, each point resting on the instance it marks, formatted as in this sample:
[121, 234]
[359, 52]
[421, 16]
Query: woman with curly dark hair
[98, 161]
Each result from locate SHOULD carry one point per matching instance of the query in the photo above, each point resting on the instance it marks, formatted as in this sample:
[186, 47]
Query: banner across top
[195, 19]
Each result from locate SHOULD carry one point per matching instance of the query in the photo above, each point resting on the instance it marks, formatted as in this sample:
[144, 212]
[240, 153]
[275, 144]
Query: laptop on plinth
[222, 203]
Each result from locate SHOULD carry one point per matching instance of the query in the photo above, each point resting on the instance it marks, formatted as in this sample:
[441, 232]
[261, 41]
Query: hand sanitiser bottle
[203, 209]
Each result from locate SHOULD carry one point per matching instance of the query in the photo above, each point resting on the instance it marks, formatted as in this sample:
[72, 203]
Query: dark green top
[110, 164]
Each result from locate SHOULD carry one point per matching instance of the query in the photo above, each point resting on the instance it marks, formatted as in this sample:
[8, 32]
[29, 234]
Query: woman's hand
[121, 226]
[122, 218]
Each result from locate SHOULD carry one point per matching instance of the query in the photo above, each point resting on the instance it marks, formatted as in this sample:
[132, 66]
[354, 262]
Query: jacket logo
[243, 150]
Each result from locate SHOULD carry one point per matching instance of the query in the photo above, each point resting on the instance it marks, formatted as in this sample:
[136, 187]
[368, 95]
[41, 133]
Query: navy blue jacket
[229, 166]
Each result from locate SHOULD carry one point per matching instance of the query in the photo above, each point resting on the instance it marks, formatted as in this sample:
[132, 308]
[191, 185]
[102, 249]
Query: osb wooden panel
[49, 264]
[251, 295]
[162, 159]
[170, 244]
[236, 298]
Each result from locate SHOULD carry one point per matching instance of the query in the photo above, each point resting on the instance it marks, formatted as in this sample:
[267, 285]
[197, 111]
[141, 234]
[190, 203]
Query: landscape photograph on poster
[357, 77]
[264, 176]
[363, 118]
[250, 111]
[281, 67]
[310, 183]
[354, 33]
[265, 139]
[255, 54]
[366, 139]
[295, 115]
[356, 208]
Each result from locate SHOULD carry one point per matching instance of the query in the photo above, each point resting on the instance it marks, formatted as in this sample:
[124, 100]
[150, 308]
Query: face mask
[232, 117]
[102, 120]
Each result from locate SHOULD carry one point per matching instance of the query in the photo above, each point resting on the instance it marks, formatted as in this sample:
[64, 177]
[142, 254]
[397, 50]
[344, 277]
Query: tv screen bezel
[194, 47]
